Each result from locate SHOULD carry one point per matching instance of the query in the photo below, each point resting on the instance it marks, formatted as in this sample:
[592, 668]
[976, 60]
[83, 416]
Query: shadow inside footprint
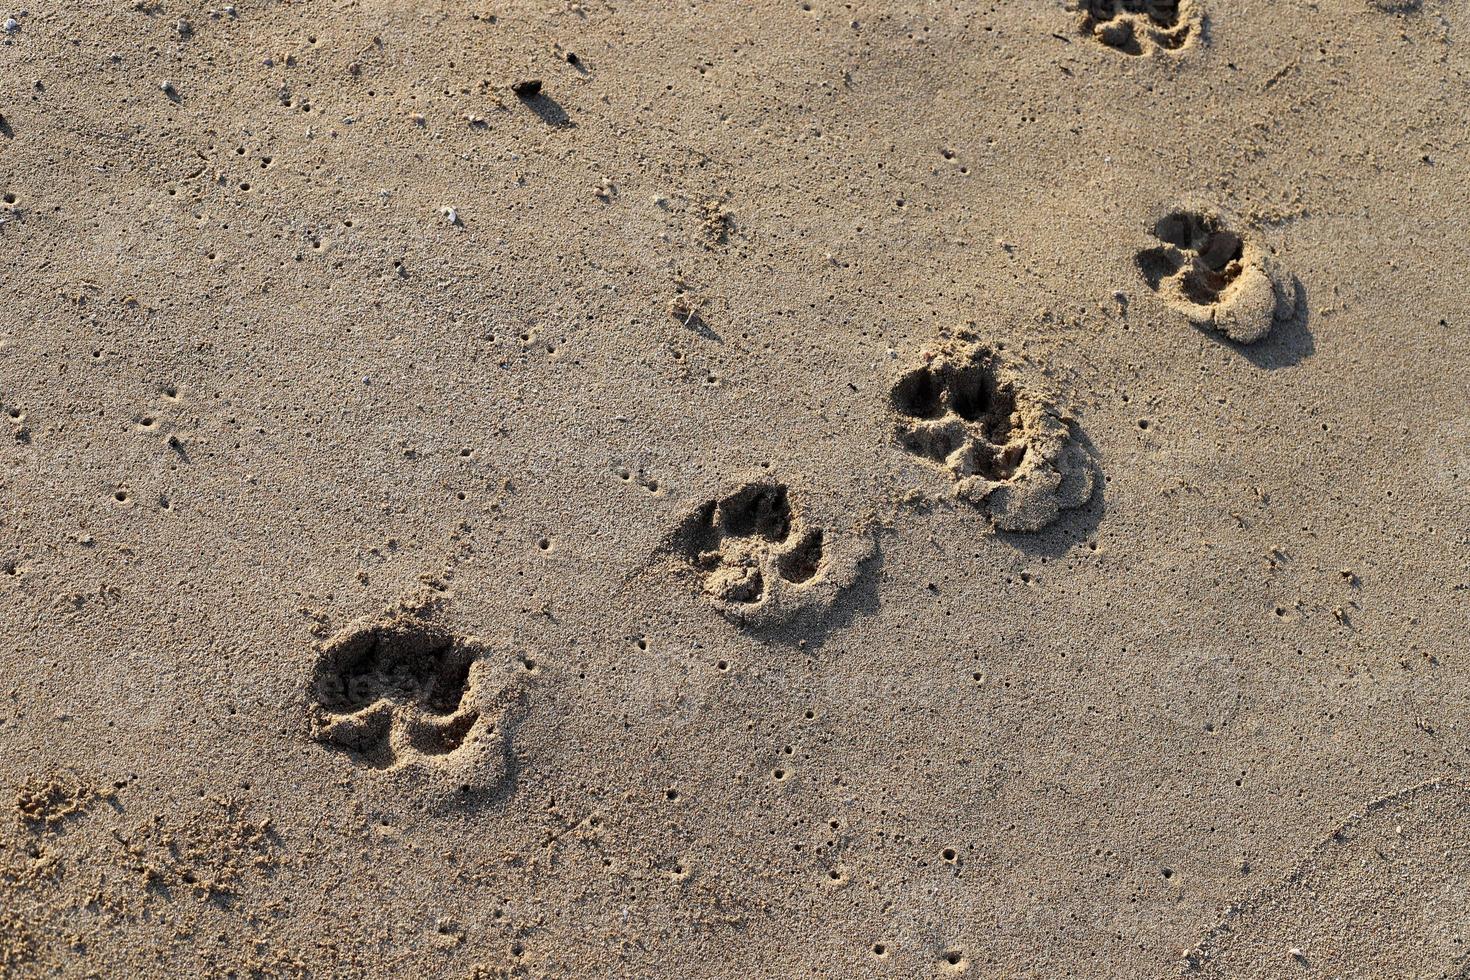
[422, 667]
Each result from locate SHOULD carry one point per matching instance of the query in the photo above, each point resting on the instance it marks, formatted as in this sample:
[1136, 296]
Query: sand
[808, 489]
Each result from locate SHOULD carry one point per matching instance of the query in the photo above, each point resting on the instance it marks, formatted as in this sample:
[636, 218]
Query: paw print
[1214, 277]
[754, 553]
[1138, 27]
[966, 411]
[410, 699]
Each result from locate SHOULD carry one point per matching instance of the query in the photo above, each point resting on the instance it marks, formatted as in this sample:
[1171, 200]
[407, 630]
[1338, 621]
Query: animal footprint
[413, 701]
[968, 412]
[1137, 27]
[1216, 278]
[758, 560]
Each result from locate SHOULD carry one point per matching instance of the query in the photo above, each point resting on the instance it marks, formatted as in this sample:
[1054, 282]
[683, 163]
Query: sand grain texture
[463, 515]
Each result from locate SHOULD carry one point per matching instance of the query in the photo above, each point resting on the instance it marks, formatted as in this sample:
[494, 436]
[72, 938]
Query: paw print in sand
[416, 704]
[1137, 27]
[969, 412]
[759, 562]
[1215, 278]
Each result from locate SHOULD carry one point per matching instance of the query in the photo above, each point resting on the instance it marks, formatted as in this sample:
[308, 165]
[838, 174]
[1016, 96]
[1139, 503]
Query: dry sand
[814, 489]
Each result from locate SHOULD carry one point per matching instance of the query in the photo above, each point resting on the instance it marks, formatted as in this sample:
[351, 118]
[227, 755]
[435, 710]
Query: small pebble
[450, 215]
[11, 25]
[168, 88]
[527, 88]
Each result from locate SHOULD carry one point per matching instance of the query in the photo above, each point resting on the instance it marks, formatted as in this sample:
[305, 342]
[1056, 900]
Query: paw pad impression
[970, 413]
[1216, 278]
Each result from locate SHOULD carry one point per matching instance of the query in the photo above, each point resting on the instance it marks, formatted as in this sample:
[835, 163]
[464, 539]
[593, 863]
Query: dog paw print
[415, 703]
[1138, 27]
[968, 412]
[1216, 278]
[757, 559]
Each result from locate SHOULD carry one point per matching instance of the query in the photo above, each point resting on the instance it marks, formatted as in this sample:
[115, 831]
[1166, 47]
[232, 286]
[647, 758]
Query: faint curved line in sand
[1199, 954]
